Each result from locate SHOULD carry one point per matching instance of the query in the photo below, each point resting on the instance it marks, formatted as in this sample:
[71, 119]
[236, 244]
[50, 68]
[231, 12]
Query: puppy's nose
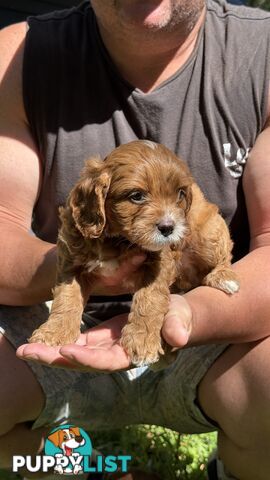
[166, 227]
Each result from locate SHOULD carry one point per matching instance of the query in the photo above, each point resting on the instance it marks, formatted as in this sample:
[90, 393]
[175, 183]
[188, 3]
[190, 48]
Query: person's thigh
[21, 397]
[168, 397]
[95, 400]
[237, 388]
[88, 399]
[29, 390]
[235, 393]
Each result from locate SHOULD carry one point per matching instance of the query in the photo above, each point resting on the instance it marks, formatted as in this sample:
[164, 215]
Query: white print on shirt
[235, 166]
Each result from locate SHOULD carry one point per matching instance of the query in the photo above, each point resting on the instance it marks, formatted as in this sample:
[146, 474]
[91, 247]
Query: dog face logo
[68, 444]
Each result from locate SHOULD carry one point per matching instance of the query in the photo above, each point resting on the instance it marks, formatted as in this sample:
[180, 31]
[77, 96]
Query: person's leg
[21, 401]
[235, 393]
[31, 395]
[167, 397]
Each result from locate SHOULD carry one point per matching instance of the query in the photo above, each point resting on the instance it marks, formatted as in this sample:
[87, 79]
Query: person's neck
[147, 62]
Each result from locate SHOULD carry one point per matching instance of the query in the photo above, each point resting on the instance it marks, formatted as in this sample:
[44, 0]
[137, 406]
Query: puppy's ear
[76, 431]
[87, 199]
[186, 197]
[189, 198]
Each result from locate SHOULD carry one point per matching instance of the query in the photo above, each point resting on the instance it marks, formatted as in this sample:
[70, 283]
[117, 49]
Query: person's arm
[27, 264]
[245, 316]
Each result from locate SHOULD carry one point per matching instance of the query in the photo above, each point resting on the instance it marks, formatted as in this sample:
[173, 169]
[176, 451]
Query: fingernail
[183, 336]
[138, 260]
[68, 355]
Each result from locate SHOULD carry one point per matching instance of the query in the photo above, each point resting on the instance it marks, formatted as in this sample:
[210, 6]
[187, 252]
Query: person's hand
[120, 281]
[177, 326]
[99, 348]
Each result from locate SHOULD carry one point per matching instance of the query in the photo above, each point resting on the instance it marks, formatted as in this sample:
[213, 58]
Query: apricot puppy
[141, 196]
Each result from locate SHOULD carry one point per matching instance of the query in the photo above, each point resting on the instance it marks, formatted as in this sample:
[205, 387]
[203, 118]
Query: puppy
[142, 196]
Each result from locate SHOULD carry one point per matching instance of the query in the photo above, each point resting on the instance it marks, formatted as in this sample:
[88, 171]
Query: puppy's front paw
[38, 336]
[143, 348]
[50, 334]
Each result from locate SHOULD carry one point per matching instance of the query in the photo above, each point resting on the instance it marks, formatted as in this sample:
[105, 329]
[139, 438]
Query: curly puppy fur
[141, 196]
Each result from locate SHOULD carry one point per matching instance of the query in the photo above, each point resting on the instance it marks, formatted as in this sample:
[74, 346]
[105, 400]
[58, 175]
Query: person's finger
[101, 337]
[130, 264]
[133, 263]
[127, 267]
[52, 356]
[45, 355]
[100, 359]
[173, 332]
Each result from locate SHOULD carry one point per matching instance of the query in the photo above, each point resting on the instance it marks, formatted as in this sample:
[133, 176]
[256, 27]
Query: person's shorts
[166, 397]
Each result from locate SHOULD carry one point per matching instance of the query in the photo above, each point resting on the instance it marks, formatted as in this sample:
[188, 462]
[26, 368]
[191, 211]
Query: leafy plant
[156, 449]
[265, 4]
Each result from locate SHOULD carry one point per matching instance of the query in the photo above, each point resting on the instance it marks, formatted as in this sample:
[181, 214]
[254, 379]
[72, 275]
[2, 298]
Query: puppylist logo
[68, 451]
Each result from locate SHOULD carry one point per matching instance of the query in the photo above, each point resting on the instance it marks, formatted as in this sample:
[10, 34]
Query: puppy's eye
[137, 196]
[181, 194]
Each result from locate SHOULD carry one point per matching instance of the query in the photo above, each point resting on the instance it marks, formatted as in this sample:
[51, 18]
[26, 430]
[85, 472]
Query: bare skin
[236, 388]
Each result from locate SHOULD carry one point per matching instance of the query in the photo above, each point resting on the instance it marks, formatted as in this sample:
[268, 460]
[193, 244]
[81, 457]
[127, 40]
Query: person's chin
[147, 14]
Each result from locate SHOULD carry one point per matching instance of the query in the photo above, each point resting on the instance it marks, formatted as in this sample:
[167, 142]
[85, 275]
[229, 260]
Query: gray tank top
[209, 112]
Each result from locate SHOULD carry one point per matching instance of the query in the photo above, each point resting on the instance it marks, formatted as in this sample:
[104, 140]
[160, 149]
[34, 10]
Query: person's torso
[209, 112]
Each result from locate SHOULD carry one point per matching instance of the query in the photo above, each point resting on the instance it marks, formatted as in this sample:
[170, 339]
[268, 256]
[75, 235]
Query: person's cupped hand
[99, 348]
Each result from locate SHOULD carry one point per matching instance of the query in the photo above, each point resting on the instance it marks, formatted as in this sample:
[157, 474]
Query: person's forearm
[242, 317]
[28, 268]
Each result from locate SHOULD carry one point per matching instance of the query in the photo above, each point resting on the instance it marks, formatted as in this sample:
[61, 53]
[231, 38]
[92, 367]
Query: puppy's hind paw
[224, 280]
[230, 286]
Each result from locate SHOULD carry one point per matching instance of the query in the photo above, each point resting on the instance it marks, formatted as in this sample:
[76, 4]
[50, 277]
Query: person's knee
[21, 440]
[21, 397]
[253, 414]
[236, 394]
